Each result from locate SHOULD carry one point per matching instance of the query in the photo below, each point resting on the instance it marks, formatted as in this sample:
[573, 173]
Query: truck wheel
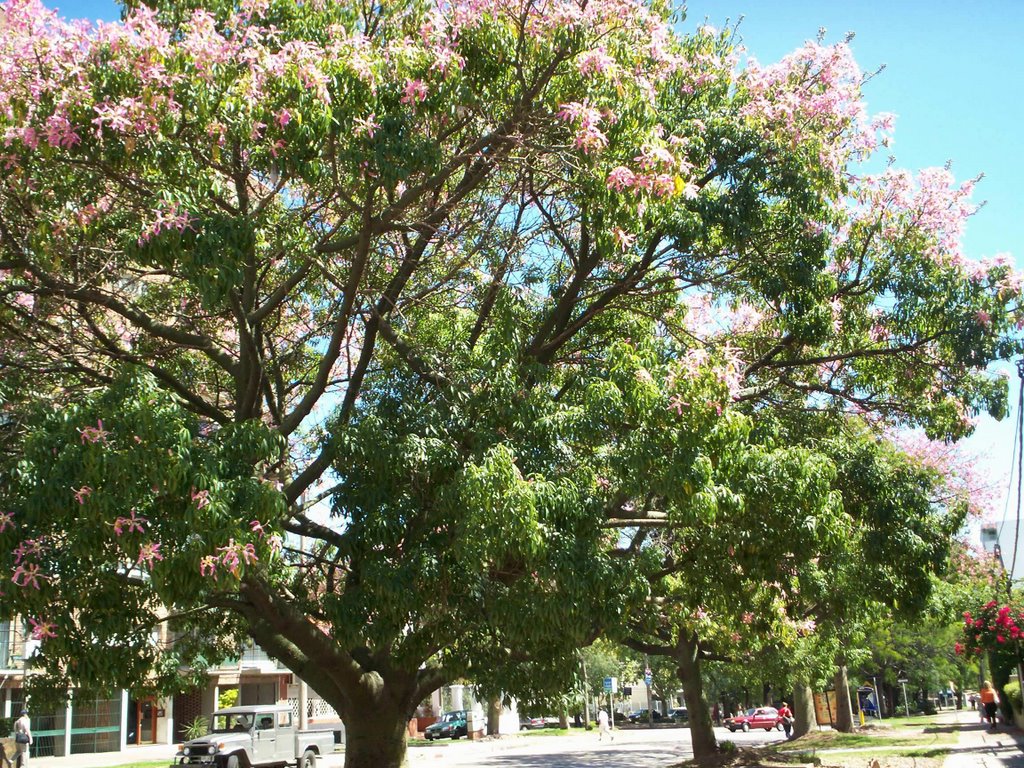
[308, 759]
[231, 762]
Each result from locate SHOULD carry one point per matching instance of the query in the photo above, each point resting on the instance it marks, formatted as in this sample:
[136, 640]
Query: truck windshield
[231, 723]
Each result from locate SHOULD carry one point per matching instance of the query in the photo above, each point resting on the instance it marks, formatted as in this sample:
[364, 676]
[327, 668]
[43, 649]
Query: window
[284, 719]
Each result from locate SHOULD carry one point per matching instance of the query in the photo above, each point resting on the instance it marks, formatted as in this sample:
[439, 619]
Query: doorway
[142, 717]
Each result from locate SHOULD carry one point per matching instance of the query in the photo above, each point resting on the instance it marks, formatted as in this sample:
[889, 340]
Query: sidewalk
[163, 753]
[146, 754]
[978, 747]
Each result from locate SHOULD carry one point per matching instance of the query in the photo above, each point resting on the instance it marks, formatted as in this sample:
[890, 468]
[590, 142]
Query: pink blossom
[234, 555]
[59, 131]
[28, 549]
[984, 318]
[283, 117]
[257, 528]
[27, 575]
[275, 542]
[6, 521]
[201, 498]
[748, 618]
[620, 178]
[677, 404]
[208, 566]
[82, 493]
[130, 524]
[414, 91]
[148, 554]
[623, 239]
[42, 630]
[169, 216]
[879, 333]
[95, 434]
[367, 125]
[595, 62]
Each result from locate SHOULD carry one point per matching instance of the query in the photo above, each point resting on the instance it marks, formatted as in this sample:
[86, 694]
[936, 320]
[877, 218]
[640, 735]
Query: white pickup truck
[261, 735]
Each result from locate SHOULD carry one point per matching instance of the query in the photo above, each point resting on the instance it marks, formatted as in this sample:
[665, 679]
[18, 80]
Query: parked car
[452, 725]
[679, 715]
[755, 717]
[640, 716]
[252, 737]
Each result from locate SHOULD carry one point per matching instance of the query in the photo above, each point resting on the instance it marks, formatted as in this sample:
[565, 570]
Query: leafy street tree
[814, 544]
[385, 335]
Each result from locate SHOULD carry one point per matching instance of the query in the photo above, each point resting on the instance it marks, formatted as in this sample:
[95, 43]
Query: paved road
[640, 748]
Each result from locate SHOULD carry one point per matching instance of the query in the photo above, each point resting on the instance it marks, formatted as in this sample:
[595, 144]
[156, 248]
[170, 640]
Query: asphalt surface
[632, 748]
[976, 747]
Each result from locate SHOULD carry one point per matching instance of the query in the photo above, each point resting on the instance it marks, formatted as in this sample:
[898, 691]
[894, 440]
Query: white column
[303, 705]
[67, 724]
[124, 720]
[435, 701]
[456, 695]
[169, 712]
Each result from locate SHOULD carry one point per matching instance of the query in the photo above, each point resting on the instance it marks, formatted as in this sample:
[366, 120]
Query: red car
[755, 717]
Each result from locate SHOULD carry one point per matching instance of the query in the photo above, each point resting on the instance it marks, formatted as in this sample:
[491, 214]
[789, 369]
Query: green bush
[727, 747]
[6, 725]
[197, 728]
[1012, 692]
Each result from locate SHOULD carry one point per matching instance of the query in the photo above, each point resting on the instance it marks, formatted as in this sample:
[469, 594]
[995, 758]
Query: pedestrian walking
[22, 740]
[602, 726]
[787, 719]
[989, 702]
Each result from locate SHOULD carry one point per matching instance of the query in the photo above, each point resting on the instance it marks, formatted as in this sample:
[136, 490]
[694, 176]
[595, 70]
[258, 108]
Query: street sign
[611, 685]
[903, 680]
[647, 679]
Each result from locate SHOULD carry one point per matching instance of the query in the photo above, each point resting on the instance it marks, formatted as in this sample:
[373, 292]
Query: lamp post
[906, 704]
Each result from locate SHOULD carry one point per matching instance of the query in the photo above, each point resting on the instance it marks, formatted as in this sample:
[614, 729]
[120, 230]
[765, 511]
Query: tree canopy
[503, 286]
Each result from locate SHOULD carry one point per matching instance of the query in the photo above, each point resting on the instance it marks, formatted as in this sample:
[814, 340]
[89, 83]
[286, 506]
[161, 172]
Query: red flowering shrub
[991, 628]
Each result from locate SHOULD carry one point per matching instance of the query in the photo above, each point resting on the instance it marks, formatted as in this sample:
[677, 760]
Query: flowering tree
[992, 627]
[373, 333]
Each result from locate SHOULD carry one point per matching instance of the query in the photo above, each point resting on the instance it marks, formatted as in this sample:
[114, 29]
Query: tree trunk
[844, 707]
[803, 710]
[701, 731]
[494, 716]
[375, 739]
[563, 719]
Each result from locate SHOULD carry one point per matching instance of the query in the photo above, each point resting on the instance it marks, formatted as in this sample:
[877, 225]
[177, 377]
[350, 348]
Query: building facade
[121, 722]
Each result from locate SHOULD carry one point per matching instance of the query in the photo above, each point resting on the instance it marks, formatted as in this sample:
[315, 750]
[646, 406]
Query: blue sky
[953, 77]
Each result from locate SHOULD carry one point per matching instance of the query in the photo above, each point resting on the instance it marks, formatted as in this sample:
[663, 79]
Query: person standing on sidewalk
[22, 739]
[989, 702]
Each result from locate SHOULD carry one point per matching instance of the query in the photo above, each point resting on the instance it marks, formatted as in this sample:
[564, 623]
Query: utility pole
[647, 684]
